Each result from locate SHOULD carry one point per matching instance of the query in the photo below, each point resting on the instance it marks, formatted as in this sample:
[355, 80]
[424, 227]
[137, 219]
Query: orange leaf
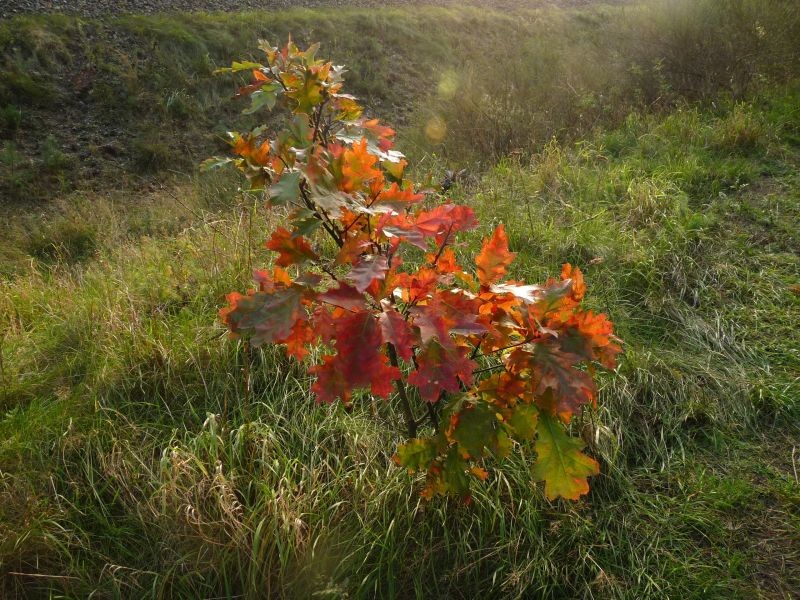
[291, 249]
[494, 257]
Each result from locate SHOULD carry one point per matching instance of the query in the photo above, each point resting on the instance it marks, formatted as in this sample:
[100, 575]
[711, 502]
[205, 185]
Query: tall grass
[139, 97]
[144, 455]
[564, 73]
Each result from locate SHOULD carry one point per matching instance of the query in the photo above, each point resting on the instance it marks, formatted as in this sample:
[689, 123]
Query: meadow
[143, 454]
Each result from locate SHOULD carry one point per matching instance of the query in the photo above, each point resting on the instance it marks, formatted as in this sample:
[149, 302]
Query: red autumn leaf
[267, 282]
[344, 296]
[367, 270]
[556, 371]
[444, 261]
[590, 336]
[301, 336]
[494, 257]
[291, 249]
[353, 247]
[375, 128]
[416, 286]
[358, 362]
[397, 332]
[446, 314]
[439, 223]
[441, 368]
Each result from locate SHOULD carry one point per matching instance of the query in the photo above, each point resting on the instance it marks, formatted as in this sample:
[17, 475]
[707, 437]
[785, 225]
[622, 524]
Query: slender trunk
[405, 404]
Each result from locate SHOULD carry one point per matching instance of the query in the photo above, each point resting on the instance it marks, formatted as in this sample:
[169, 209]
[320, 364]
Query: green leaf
[265, 97]
[300, 131]
[266, 317]
[475, 429]
[454, 474]
[560, 463]
[304, 222]
[416, 454]
[215, 162]
[239, 66]
[523, 421]
[287, 189]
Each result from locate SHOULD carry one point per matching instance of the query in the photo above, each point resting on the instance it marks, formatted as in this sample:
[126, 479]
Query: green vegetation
[124, 94]
[144, 455]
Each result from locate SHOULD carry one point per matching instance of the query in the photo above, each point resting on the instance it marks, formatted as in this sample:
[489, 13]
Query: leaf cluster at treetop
[490, 363]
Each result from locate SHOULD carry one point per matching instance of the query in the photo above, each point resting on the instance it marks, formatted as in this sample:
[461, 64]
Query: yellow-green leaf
[560, 463]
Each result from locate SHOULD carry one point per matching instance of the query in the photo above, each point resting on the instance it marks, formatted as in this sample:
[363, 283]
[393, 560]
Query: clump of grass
[10, 118]
[150, 154]
[67, 241]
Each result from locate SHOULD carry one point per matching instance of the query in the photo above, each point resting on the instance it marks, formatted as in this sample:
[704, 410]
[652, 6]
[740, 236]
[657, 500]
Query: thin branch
[487, 369]
[442, 247]
[405, 403]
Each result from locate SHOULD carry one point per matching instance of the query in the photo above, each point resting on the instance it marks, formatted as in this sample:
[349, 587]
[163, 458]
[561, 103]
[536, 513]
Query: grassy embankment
[135, 461]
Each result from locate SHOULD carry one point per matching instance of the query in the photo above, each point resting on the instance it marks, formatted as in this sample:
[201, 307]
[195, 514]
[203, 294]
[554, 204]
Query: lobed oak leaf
[441, 368]
[494, 257]
[560, 463]
[301, 336]
[374, 127]
[353, 247]
[358, 167]
[397, 332]
[358, 361]
[479, 473]
[505, 389]
[554, 370]
[447, 313]
[523, 419]
[266, 317]
[291, 249]
[416, 454]
[417, 286]
[448, 475]
[269, 281]
[590, 336]
[394, 169]
[473, 428]
[348, 108]
[344, 296]
[397, 198]
[437, 224]
[574, 275]
[444, 261]
[367, 270]
[286, 189]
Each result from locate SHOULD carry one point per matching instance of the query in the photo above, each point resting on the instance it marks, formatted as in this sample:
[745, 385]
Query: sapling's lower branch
[405, 404]
[432, 414]
[327, 224]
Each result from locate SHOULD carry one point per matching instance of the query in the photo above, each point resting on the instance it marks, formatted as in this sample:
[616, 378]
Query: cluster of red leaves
[491, 362]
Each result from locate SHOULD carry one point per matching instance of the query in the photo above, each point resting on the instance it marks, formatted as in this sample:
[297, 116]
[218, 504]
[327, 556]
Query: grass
[142, 454]
[139, 461]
